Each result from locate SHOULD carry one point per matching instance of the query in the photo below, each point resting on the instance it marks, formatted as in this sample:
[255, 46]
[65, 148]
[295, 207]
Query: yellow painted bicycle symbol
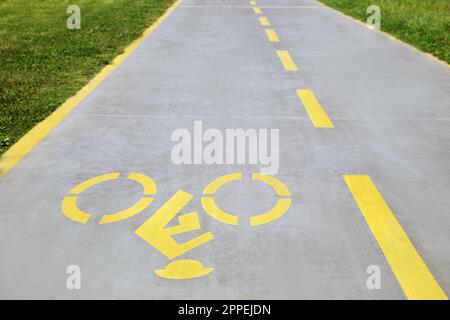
[155, 230]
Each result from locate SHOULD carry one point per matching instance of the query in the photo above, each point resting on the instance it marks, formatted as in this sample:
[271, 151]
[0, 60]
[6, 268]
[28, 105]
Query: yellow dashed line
[272, 35]
[264, 21]
[257, 10]
[315, 111]
[286, 60]
[411, 271]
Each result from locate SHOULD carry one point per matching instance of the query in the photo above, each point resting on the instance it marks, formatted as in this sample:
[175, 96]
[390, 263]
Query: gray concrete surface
[211, 61]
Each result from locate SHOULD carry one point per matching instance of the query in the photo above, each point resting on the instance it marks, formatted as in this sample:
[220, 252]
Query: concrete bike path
[215, 62]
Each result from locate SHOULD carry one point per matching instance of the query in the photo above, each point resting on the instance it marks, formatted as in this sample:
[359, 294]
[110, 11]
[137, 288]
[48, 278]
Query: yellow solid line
[264, 21]
[411, 271]
[286, 60]
[315, 111]
[272, 35]
[10, 158]
[257, 10]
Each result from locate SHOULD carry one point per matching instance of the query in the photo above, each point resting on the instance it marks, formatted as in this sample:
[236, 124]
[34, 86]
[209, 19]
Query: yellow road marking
[93, 181]
[70, 209]
[276, 184]
[264, 21]
[209, 203]
[411, 271]
[315, 111]
[183, 269]
[257, 10]
[139, 206]
[253, 3]
[282, 205]
[147, 183]
[286, 60]
[280, 208]
[211, 208]
[216, 184]
[272, 35]
[14, 154]
[155, 231]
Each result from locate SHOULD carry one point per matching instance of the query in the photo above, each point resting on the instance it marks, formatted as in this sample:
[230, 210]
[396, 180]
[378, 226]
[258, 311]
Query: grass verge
[424, 24]
[42, 62]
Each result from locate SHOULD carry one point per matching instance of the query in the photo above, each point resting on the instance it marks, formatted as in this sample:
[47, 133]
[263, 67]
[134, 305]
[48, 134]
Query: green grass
[423, 23]
[42, 63]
